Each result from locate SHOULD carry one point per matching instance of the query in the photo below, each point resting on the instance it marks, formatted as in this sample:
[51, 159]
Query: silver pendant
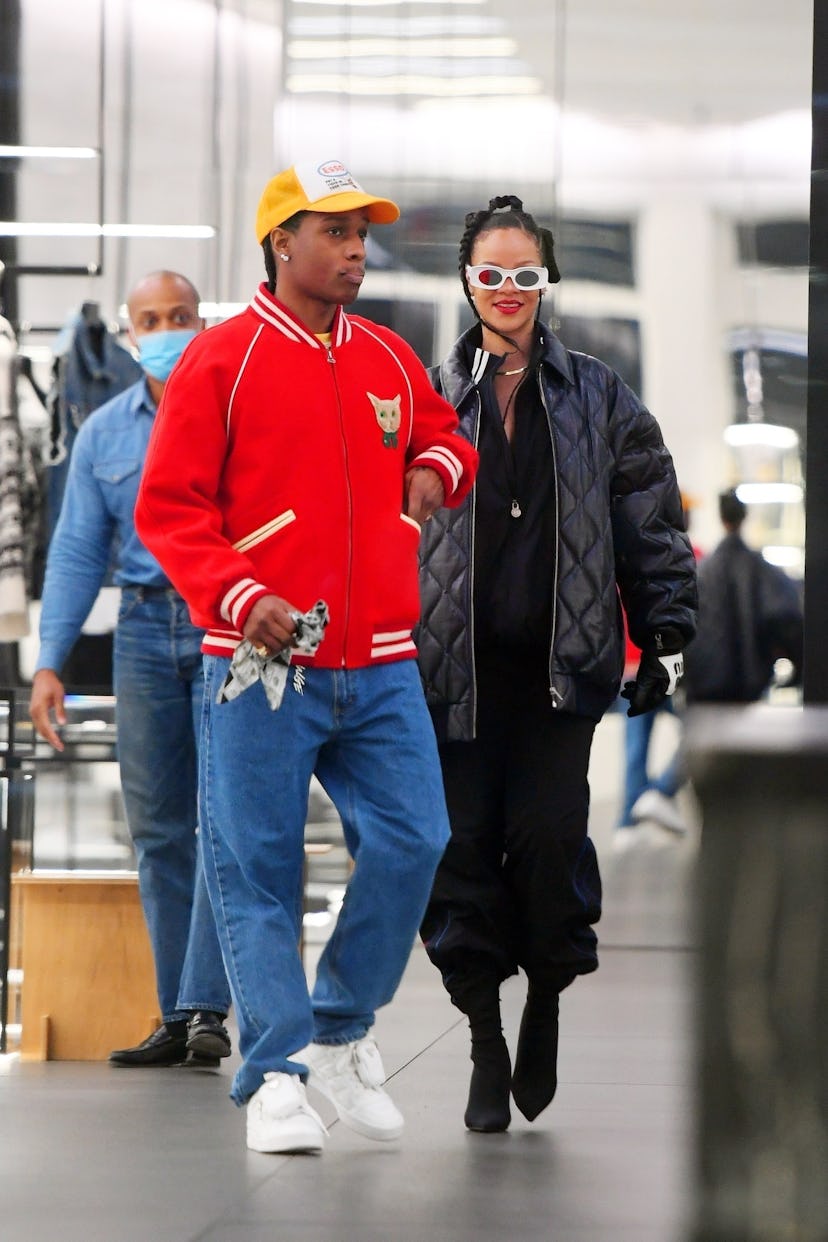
[516, 510]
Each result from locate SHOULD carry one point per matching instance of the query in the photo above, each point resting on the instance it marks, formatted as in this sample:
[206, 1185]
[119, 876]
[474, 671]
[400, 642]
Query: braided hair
[270, 264]
[291, 224]
[504, 212]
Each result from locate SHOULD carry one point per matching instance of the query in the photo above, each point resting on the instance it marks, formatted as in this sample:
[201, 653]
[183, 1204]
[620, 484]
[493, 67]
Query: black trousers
[518, 885]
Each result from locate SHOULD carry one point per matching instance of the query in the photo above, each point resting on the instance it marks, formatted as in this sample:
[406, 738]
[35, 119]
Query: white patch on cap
[322, 180]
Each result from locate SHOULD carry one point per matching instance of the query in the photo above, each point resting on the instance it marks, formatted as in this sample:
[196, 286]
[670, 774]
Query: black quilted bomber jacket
[619, 529]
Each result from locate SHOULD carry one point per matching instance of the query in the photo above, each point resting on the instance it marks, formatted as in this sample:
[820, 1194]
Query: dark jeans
[159, 683]
[518, 885]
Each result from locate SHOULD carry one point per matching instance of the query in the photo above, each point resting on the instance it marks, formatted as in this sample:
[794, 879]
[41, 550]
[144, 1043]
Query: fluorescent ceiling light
[370, 4]
[785, 556]
[769, 435]
[423, 26]
[769, 493]
[13, 228]
[417, 68]
[47, 153]
[329, 49]
[410, 84]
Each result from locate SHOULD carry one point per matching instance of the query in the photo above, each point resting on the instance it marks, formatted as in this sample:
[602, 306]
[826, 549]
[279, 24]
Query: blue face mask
[160, 351]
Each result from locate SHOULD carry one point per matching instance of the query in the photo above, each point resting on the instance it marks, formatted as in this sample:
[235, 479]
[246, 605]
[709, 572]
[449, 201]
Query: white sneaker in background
[631, 837]
[351, 1077]
[280, 1119]
[662, 810]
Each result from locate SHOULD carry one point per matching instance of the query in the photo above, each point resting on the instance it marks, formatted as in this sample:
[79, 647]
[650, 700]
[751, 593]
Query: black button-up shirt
[514, 569]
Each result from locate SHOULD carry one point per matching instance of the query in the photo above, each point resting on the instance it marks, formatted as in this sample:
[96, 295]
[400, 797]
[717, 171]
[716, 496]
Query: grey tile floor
[90, 1153]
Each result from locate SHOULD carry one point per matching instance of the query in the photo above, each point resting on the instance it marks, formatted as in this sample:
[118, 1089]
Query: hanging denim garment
[89, 368]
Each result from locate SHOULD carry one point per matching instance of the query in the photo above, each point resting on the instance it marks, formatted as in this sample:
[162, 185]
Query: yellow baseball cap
[317, 187]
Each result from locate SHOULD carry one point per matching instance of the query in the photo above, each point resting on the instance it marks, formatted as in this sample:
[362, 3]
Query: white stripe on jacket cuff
[237, 597]
[438, 455]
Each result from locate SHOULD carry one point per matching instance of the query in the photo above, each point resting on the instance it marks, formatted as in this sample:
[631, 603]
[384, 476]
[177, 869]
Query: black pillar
[815, 681]
[10, 22]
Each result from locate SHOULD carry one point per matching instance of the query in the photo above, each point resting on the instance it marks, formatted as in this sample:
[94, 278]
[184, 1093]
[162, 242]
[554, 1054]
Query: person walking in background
[521, 647]
[646, 797]
[157, 678]
[750, 616]
[297, 454]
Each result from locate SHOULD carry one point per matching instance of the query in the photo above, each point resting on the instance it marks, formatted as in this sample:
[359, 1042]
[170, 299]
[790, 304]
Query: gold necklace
[517, 371]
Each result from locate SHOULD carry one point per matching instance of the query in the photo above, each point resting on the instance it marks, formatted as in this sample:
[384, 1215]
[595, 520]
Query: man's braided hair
[292, 224]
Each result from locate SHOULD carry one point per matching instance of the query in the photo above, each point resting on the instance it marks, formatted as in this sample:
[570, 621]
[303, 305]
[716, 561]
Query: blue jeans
[158, 683]
[368, 736]
[637, 735]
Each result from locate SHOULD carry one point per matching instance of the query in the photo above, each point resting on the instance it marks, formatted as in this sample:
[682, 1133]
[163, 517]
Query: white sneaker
[351, 1077]
[279, 1117]
[628, 838]
[662, 810]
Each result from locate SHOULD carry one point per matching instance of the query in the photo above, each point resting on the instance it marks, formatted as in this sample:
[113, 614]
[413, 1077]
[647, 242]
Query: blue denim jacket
[96, 521]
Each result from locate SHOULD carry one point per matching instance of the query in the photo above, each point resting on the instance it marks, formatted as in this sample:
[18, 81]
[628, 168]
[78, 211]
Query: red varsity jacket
[276, 466]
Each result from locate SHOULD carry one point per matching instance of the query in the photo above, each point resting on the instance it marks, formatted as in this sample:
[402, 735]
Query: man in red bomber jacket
[296, 453]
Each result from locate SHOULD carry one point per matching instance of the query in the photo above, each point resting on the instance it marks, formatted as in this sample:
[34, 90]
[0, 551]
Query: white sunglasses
[487, 276]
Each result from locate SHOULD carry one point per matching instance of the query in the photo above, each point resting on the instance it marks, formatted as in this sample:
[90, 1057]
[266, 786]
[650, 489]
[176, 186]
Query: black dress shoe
[166, 1046]
[207, 1035]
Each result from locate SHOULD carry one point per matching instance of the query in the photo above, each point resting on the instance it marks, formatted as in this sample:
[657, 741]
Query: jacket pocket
[264, 532]
[116, 469]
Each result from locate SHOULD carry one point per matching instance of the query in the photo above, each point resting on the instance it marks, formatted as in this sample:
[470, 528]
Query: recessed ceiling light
[770, 493]
[769, 435]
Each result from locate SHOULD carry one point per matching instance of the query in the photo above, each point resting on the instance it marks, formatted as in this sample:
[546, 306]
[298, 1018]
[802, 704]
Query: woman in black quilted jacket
[521, 646]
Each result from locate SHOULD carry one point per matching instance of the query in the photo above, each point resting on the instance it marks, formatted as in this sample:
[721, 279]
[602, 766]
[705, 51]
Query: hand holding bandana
[248, 666]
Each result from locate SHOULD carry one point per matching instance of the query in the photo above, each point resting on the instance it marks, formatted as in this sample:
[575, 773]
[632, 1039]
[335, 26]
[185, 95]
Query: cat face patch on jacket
[387, 410]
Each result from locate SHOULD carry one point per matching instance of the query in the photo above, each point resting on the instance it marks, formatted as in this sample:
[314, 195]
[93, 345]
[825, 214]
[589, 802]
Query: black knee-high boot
[535, 1079]
[487, 1110]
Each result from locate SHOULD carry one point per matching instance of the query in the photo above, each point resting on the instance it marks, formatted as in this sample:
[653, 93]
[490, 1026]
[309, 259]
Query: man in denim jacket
[157, 675]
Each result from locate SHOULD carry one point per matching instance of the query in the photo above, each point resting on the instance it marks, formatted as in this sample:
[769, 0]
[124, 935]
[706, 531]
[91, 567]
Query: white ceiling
[636, 98]
[701, 62]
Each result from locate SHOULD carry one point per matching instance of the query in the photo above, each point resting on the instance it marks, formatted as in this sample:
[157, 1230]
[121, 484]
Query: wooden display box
[88, 973]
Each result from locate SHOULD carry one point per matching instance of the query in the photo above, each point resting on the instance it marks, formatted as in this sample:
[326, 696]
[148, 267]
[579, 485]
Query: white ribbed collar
[268, 308]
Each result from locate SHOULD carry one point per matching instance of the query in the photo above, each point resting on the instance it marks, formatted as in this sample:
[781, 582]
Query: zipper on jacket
[473, 517]
[349, 573]
[554, 694]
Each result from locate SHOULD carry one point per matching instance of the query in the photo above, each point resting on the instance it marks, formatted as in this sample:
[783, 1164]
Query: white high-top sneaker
[280, 1119]
[351, 1077]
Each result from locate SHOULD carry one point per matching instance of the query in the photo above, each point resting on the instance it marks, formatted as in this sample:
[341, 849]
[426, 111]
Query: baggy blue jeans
[367, 735]
[158, 681]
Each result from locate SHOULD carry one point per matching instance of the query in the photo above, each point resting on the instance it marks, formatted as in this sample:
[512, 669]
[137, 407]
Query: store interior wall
[684, 130]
